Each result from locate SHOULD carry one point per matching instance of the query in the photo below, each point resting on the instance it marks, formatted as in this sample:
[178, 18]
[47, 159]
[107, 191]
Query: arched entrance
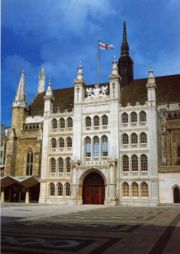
[176, 194]
[93, 189]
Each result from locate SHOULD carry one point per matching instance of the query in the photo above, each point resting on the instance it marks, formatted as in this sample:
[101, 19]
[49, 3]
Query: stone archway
[176, 194]
[93, 189]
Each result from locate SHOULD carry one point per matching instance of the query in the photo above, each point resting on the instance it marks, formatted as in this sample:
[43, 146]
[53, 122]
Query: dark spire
[125, 63]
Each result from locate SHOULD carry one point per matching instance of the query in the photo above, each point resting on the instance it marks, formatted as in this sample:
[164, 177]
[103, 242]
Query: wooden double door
[93, 189]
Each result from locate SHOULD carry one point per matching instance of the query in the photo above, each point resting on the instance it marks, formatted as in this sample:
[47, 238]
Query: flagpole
[98, 63]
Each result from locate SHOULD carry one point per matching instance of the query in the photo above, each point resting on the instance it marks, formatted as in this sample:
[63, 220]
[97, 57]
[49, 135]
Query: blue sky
[60, 33]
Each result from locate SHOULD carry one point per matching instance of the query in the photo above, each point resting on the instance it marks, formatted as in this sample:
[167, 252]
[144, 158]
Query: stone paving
[36, 228]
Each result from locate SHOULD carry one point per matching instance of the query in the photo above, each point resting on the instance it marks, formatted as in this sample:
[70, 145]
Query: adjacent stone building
[116, 143]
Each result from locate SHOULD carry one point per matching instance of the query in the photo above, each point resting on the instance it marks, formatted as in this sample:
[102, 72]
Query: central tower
[125, 63]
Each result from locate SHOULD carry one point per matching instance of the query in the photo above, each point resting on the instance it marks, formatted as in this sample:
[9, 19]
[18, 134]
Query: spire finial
[80, 72]
[124, 46]
[20, 99]
[124, 32]
[151, 80]
[41, 85]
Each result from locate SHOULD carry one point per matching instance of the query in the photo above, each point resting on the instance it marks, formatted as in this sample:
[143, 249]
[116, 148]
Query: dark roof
[168, 91]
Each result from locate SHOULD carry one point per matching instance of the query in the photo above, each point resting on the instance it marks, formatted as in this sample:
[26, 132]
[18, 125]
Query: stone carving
[98, 91]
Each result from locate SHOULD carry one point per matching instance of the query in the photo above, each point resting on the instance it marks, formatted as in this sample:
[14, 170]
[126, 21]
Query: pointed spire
[20, 99]
[151, 80]
[124, 45]
[114, 68]
[49, 91]
[41, 85]
[80, 73]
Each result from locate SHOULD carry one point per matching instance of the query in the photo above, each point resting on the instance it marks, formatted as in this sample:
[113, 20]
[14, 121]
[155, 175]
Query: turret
[125, 63]
[114, 82]
[79, 85]
[151, 88]
[41, 85]
[48, 99]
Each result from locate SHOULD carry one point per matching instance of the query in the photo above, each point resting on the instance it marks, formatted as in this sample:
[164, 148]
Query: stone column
[74, 166]
[27, 197]
[2, 196]
[112, 199]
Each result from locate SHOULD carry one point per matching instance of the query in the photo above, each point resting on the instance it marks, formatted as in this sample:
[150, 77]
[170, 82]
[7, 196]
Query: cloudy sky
[58, 34]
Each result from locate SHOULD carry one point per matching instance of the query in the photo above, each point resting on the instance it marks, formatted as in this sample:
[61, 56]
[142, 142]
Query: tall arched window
[69, 142]
[124, 118]
[125, 139]
[53, 165]
[135, 190]
[125, 189]
[29, 162]
[143, 138]
[88, 121]
[134, 162]
[87, 147]
[53, 143]
[59, 189]
[96, 121]
[68, 164]
[142, 116]
[54, 123]
[69, 122]
[68, 190]
[104, 120]
[133, 117]
[125, 162]
[60, 165]
[96, 147]
[61, 142]
[144, 189]
[104, 145]
[51, 189]
[134, 138]
[62, 123]
[144, 162]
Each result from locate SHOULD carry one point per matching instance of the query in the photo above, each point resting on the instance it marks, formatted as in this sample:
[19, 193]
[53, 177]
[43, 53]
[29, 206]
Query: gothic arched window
[124, 118]
[68, 164]
[104, 120]
[29, 162]
[144, 162]
[143, 138]
[104, 145]
[69, 122]
[68, 189]
[87, 147]
[134, 138]
[96, 121]
[134, 162]
[54, 123]
[142, 116]
[59, 189]
[51, 189]
[125, 189]
[60, 165]
[69, 142]
[62, 123]
[88, 121]
[53, 143]
[144, 189]
[125, 139]
[125, 162]
[96, 147]
[133, 117]
[53, 165]
[61, 142]
[135, 189]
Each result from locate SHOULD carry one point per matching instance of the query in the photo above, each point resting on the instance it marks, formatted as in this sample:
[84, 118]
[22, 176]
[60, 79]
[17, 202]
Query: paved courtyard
[51, 229]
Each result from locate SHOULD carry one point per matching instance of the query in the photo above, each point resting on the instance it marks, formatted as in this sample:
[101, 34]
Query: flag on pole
[105, 45]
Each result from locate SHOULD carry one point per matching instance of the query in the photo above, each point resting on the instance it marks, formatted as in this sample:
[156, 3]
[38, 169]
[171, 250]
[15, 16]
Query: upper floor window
[68, 190]
[68, 164]
[133, 117]
[69, 142]
[134, 138]
[104, 120]
[53, 143]
[29, 162]
[125, 189]
[144, 189]
[54, 123]
[62, 123]
[95, 146]
[144, 163]
[125, 139]
[143, 137]
[60, 165]
[124, 118]
[125, 162]
[134, 161]
[96, 121]
[53, 165]
[87, 147]
[69, 122]
[61, 142]
[104, 142]
[51, 189]
[142, 116]
[88, 121]
[59, 189]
